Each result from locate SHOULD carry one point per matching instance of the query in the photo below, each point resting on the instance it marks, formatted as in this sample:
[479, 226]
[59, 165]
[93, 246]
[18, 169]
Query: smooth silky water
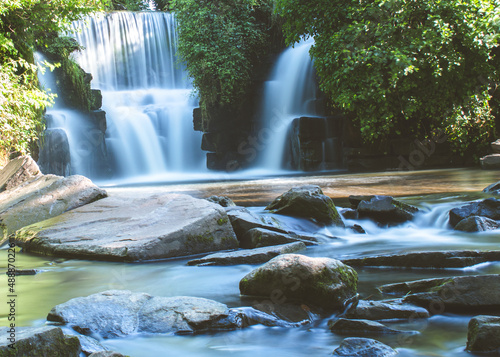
[441, 335]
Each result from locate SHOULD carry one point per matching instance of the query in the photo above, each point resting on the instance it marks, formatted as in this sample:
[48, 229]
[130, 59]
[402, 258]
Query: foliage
[24, 25]
[21, 105]
[221, 42]
[402, 66]
[130, 5]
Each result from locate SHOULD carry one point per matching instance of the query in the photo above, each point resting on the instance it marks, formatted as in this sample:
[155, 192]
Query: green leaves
[402, 67]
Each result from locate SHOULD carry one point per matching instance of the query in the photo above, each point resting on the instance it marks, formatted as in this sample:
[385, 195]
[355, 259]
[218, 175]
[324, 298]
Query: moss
[222, 221]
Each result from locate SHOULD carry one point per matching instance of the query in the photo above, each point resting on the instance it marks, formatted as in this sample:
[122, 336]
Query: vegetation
[222, 41]
[25, 25]
[404, 67]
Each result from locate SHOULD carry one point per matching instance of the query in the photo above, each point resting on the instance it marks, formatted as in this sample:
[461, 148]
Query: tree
[402, 66]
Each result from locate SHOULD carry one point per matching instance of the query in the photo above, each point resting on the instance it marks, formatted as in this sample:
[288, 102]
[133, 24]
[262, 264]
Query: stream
[434, 192]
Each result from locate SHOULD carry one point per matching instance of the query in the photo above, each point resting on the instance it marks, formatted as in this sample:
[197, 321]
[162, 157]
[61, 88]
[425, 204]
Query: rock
[122, 228]
[363, 347]
[116, 313]
[447, 259]
[483, 334]
[494, 188]
[18, 171]
[43, 198]
[355, 200]
[357, 229]
[324, 282]
[462, 294]
[221, 200]
[361, 327]
[349, 213]
[90, 345]
[55, 155]
[381, 310]
[242, 220]
[38, 341]
[261, 237]
[247, 316]
[489, 208]
[308, 202]
[106, 354]
[495, 146]
[386, 210]
[249, 256]
[476, 224]
[490, 162]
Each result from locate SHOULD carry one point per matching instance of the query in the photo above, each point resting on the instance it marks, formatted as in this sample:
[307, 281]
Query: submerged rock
[38, 341]
[90, 345]
[324, 282]
[363, 347]
[476, 224]
[18, 171]
[45, 197]
[461, 294]
[385, 310]
[261, 237]
[494, 188]
[242, 221]
[308, 202]
[361, 327]
[483, 334]
[249, 256]
[133, 229]
[447, 259]
[386, 210]
[489, 208]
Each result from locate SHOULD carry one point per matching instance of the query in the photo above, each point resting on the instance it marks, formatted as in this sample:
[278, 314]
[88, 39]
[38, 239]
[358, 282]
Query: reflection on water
[441, 335]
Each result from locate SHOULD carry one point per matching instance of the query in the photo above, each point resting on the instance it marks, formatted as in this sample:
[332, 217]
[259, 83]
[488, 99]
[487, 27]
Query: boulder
[18, 171]
[116, 313]
[261, 237]
[221, 200]
[355, 200]
[495, 146]
[90, 345]
[323, 282]
[461, 294]
[483, 334]
[349, 213]
[308, 202]
[446, 259]
[363, 347]
[121, 228]
[385, 310]
[385, 210]
[249, 256]
[490, 162]
[38, 341]
[361, 327]
[489, 208]
[242, 220]
[43, 198]
[476, 224]
[493, 188]
[55, 157]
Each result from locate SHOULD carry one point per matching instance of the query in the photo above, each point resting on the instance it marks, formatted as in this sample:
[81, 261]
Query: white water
[146, 94]
[287, 95]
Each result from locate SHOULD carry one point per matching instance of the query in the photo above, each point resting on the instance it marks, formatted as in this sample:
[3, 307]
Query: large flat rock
[18, 171]
[44, 197]
[141, 228]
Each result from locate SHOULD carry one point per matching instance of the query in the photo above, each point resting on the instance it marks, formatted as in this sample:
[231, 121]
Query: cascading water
[288, 95]
[146, 94]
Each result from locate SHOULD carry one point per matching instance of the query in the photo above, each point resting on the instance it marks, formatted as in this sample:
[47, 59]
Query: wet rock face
[221, 200]
[462, 294]
[39, 341]
[489, 208]
[359, 327]
[385, 210]
[133, 229]
[261, 237]
[308, 202]
[380, 310]
[494, 188]
[476, 224]
[322, 282]
[363, 347]
[484, 334]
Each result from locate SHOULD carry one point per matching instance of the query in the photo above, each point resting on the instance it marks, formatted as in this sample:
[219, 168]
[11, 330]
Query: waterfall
[289, 94]
[146, 94]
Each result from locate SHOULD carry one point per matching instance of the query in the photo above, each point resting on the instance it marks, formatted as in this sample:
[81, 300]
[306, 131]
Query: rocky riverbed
[298, 274]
